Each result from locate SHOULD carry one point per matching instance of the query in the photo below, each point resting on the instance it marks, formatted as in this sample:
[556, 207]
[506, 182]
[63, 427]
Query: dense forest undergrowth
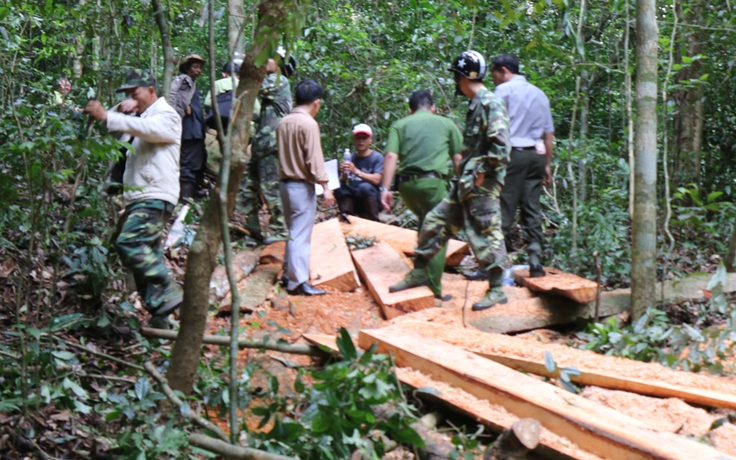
[62, 286]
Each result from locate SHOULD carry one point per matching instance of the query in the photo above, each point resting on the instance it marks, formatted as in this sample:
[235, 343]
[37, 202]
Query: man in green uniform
[422, 144]
[473, 201]
[261, 179]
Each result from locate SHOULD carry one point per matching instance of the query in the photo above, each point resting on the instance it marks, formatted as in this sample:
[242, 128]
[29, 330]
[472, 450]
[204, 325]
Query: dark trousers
[192, 161]
[421, 196]
[138, 243]
[355, 198]
[522, 190]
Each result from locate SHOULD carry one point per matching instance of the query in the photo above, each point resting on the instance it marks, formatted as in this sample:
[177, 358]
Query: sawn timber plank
[402, 239]
[505, 350]
[558, 282]
[330, 263]
[381, 266]
[595, 428]
[493, 419]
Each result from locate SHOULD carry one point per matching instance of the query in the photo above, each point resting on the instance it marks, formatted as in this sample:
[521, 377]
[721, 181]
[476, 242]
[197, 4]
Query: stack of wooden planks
[596, 429]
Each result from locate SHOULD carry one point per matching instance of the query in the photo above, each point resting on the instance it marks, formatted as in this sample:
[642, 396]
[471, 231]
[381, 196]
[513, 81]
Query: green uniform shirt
[275, 97]
[424, 142]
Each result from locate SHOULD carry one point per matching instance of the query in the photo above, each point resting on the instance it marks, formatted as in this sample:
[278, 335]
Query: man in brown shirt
[301, 165]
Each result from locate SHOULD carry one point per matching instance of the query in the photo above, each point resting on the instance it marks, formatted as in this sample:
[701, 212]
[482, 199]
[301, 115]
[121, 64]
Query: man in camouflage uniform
[151, 182]
[261, 179]
[473, 201]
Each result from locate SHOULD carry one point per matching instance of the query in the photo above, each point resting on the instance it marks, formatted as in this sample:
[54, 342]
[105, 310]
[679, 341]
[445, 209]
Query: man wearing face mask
[185, 100]
[473, 201]
[151, 182]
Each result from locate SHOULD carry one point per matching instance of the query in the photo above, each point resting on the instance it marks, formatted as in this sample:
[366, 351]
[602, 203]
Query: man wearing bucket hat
[261, 181]
[151, 187]
[185, 100]
[473, 201]
[358, 193]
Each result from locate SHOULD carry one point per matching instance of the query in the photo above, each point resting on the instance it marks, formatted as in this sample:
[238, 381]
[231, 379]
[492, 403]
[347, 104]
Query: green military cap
[137, 77]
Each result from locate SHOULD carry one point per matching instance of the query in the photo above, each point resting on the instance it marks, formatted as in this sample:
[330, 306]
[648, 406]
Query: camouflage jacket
[275, 97]
[486, 145]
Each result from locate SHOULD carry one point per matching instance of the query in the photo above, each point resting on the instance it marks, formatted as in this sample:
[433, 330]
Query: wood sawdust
[485, 411]
[484, 342]
[671, 415]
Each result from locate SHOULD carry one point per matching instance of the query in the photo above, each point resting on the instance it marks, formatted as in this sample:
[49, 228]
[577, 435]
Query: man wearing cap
[301, 165]
[185, 100]
[473, 201]
[532, 141]
[261, 175]
[361, 176]
[151, 182]
[422, 143]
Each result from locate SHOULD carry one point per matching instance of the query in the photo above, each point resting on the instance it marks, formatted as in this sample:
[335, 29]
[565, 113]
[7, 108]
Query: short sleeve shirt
[528, 109]
[424, 142]
[371, 164]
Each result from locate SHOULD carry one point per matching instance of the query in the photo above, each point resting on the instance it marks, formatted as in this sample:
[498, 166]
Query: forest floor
[289, 318]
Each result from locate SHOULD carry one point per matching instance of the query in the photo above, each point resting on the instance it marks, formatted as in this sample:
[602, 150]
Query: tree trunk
[689, 118]
[731, 255]
[644, 222]
[515, 442]
[202, 257]
[77, 65]
[169, 56]
[586, 79]
[235, 22]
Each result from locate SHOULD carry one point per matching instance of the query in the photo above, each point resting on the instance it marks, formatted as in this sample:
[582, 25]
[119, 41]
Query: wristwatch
[360, 173]
[382, 189]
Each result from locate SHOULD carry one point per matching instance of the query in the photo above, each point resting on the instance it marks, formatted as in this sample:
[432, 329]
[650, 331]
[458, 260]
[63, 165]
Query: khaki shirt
[300, 148]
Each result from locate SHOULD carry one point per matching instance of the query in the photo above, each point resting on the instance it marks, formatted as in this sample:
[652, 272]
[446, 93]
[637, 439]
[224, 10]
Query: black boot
[186, 190]
[371, 207]
[345, 204]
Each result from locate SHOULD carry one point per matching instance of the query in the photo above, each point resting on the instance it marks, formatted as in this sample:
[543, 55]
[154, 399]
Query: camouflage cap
[137, 77]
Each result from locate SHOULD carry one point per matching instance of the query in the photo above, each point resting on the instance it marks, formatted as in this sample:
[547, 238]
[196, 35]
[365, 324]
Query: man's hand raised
[96, 110]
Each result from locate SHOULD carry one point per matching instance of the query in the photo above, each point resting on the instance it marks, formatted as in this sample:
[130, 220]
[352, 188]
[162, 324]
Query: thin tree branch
[206, 424]
[97, 353]
[294, 349]
[230, 451]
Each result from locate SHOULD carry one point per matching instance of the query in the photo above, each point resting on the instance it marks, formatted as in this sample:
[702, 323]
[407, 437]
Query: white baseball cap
[362, 128]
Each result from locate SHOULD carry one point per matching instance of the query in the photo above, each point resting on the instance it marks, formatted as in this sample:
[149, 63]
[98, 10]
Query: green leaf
[63, 355]
[346, 346]
[142, 388]
[572, 371]
[549, 362]
[70, 385]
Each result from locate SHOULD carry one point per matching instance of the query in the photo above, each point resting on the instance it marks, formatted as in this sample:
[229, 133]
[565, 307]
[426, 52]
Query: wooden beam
[595, 428]
[493, 417]
[402, 239]
[381, 266]
[599, 370]
[244, 262]
[558, 282]
[273, 253]
[330, 263]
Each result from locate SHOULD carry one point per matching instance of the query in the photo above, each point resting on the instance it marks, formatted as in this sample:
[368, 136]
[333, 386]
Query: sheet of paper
[334, 178]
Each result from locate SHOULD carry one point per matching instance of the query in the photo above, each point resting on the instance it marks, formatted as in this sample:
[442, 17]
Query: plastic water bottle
[347, 156]
[508, 277]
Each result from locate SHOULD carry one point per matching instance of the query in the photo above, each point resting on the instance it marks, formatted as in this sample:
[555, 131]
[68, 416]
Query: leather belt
[524, 149]
[411, 177]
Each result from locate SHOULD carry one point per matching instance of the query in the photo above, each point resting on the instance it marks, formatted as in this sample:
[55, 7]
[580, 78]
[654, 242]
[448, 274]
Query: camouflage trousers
[479, 215]
[139, 244]
[261, 182]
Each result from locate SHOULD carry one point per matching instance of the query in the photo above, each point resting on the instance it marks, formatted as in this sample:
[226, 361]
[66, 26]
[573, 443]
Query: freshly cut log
[538, 312]
[330, 263]
[381, 266]
[702, 389]
[558, 282]
[493, 417]
[402, 239]
[595, 428]
[253, 290]
[273, 253]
